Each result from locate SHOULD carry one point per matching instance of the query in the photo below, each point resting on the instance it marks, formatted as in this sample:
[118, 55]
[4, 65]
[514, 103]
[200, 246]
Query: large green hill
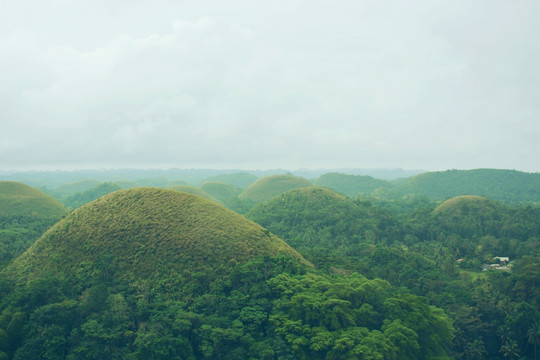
[351, 185]
[75, 187]
[151, 273]
[195, 191]
[504, 185]
[227, 194]
[141, 230]
[76, 200]
[273, 185]
[317, 222]
[17, 199]
[25, 213]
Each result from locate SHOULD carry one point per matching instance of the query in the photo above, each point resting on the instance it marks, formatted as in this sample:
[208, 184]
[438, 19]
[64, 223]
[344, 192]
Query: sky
[429, 85]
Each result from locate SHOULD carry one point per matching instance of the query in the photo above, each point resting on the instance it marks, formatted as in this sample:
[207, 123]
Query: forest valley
[379, 277]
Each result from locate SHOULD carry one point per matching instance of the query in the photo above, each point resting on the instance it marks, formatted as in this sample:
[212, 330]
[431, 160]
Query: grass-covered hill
[195, 191]
[317, 221]
[25, 213]
[17, 199]
[220, 190]
[75, 187]
[240, 180]
[462, 204]
[152, 273]
[269, 186]
[227, 194]
[504, 185]
[76, 200]
[131, 234]
[351, 185]
[481, 225]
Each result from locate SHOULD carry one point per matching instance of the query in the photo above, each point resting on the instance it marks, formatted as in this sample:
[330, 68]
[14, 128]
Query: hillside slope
[17, 199]
[273, 185]
[351, 185]
[138, 231]
[317, 222]
[25, 214]
[189, 189]
[504, 185]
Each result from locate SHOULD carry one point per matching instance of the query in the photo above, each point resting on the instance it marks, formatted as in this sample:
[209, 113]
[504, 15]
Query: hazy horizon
[239, 85]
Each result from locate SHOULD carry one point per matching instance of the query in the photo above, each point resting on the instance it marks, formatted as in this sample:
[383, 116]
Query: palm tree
[475, 350]
[509, 349]
[533, 336]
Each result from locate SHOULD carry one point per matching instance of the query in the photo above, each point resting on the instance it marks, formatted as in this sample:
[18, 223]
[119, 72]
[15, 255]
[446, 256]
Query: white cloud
[364, 83]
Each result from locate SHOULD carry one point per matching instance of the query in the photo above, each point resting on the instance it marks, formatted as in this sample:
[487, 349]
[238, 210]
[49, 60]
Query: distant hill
[154, 181]
[461, 204]
[472, 216]
[351, 185]
[195, 191]
[75, 187]
[273, 185]
[317, 222]
[126, 184]
[504, 185]
[135, 232]
[221, 190]
[17, 199]
[241, 180]
[177, 182]
[76, 200]
[25, 213]
[227, 194]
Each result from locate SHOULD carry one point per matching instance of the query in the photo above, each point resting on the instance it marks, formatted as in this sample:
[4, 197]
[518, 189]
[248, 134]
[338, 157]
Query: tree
[475, 350]
[533, 335]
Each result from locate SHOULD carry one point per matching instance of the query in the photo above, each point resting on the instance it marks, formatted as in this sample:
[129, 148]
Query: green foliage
[352, 317]
[322, 224]
[25, 214]
[71, 188]
[504, 185]
[140, 232]
[414, 244]
[157, 274]
[270, 186]
[20, 200]
[227, 194]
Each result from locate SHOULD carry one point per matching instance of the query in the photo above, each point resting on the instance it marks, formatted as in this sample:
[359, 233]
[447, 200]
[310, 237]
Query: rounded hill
[227, 194]
[473, 216]
[76, 186]
[17, 199]
[134, 233]
[316, 218]
[509, 186]
[269, 186]
[195, 191]
[351, 185]
[460, 203]
[220, 190]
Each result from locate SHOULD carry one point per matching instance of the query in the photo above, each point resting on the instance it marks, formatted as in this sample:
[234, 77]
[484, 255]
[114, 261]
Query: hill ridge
[142, 228]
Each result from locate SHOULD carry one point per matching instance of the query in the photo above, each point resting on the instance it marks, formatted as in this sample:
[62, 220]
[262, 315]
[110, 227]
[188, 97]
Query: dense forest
[438, 266]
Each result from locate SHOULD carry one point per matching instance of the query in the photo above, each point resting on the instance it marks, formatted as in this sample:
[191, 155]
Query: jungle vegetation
[316, 273]
[25, 214]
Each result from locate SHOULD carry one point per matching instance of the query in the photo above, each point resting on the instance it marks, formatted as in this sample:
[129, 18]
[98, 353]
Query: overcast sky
[292, 84]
